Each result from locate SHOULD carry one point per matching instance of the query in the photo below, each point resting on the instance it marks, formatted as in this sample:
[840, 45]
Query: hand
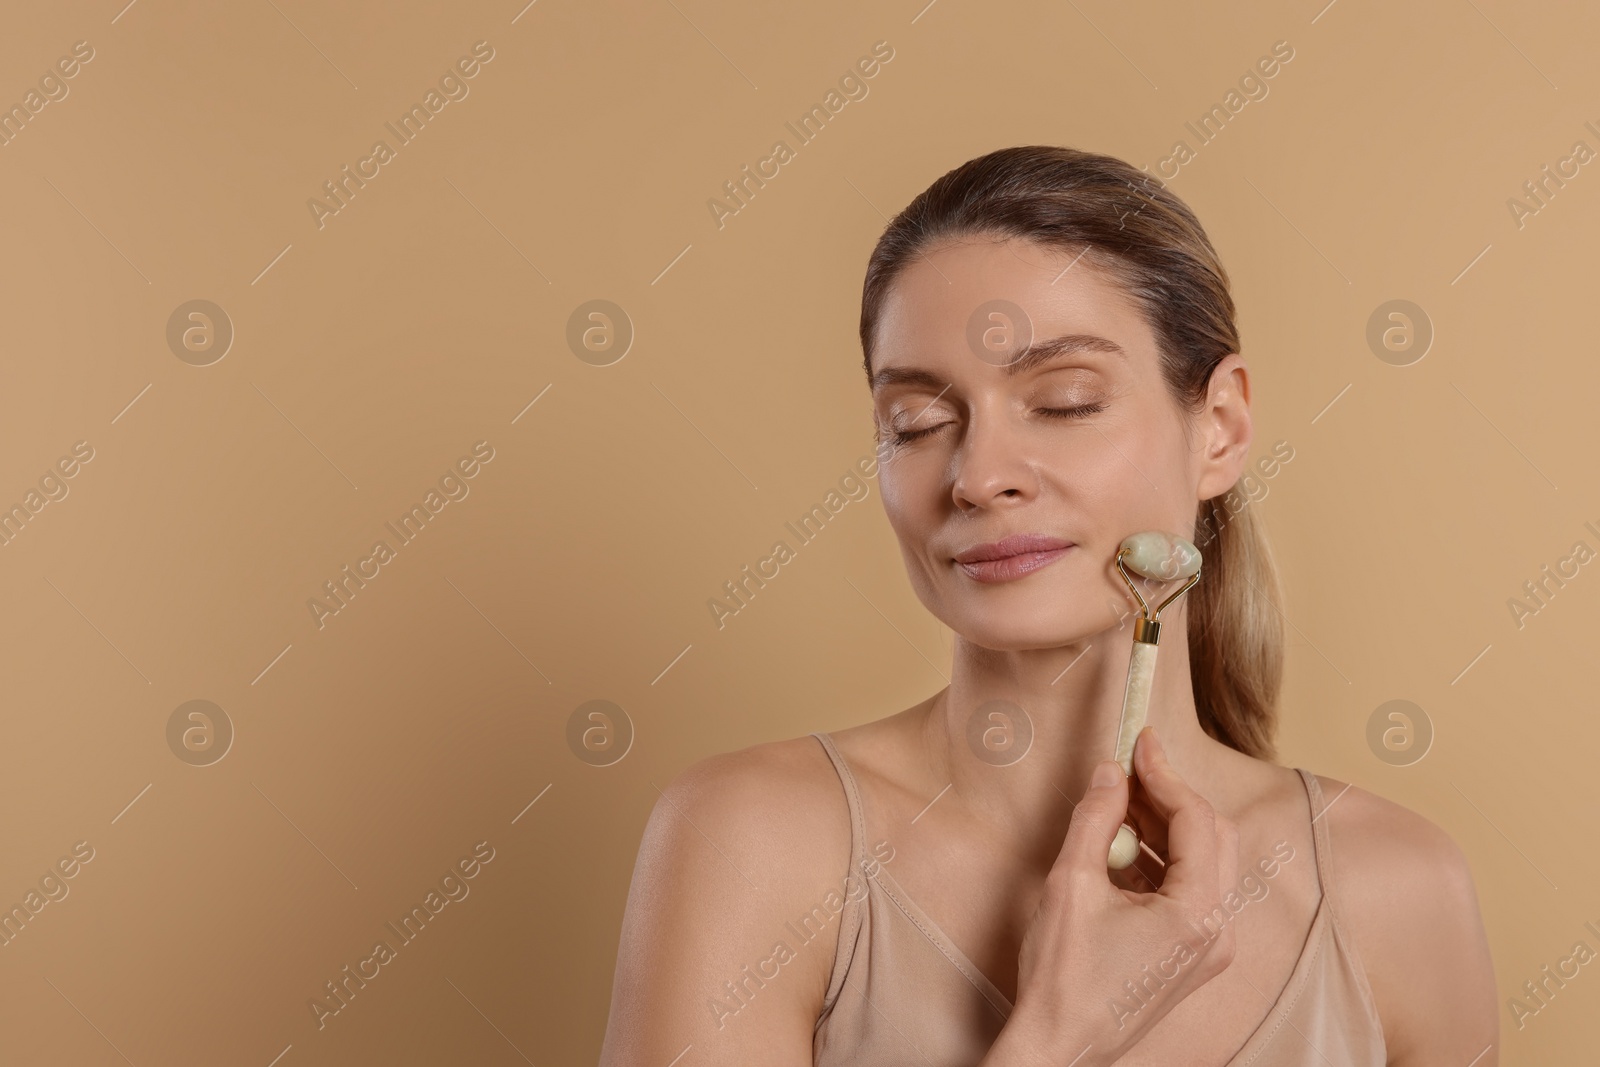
[1089, 935]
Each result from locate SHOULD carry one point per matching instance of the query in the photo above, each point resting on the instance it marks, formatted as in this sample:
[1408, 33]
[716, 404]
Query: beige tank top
[902, 993]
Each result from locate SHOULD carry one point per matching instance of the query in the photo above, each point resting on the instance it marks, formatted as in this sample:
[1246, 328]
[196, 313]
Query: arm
[734, 847]
[1409, 901]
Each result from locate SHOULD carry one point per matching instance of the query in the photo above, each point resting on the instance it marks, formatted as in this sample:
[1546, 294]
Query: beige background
[370, 354]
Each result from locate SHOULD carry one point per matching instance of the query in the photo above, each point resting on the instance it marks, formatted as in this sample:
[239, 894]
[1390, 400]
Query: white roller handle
[1135, 701]
[1135, 707]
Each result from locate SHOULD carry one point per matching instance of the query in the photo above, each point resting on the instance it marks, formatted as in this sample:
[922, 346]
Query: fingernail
[1105, 775]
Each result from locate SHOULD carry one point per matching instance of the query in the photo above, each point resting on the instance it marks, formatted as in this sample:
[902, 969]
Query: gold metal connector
[1147, 626]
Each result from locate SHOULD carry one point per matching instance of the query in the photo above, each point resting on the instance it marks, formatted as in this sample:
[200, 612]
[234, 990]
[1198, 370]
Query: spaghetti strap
[1320, 838]
[850, 921]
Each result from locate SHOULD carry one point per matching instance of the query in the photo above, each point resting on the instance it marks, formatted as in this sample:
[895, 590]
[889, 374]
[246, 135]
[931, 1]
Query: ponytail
[1236, 628]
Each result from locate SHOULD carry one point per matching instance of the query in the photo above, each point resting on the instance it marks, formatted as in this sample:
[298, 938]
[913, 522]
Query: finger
[1148, 869]
[1134, 878]
[1227, 857]
[1152, 833]
[1226, 938]
[1144, 875]
[1095, 820]
[1192, 863]
[1142, 815]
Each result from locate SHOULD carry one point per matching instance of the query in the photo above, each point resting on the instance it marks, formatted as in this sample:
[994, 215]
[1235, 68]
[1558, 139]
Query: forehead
[940, 298]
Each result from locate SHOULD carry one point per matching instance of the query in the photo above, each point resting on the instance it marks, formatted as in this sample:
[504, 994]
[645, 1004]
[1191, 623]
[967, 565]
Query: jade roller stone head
[1163, 558]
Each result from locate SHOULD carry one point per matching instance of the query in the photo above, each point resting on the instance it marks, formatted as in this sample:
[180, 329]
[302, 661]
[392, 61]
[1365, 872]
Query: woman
[1049, 340]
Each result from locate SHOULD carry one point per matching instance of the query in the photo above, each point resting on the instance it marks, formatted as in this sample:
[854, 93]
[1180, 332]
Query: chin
[1020, 627]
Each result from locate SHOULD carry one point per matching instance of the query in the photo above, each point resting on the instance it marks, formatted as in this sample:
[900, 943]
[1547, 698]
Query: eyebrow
[1033, 355]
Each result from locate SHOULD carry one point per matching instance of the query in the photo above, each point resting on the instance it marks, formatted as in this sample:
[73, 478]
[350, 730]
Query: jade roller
[1163, 558]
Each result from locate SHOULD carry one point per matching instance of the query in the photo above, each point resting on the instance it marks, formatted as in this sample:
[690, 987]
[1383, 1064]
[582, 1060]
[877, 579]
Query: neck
[1072, 696]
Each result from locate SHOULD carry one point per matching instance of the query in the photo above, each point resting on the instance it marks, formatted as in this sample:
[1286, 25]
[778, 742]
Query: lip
[1011, 557]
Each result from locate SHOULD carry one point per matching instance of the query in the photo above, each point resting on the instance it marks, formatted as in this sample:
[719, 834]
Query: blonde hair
[1128, 224]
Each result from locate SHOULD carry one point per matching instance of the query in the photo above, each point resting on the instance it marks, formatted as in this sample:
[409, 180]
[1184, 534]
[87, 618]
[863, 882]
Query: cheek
[910, 495]
[1102, 471]
[1113, 485]
[907, 494]
[1134, 471]
[911, 534]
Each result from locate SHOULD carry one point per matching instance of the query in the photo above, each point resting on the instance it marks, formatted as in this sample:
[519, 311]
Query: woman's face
[1083, 447]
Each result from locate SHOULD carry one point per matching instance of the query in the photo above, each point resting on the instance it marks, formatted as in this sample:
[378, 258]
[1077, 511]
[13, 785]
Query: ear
[1224, 428]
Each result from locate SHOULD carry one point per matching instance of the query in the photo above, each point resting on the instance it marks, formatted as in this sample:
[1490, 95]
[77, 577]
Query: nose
[992, 468]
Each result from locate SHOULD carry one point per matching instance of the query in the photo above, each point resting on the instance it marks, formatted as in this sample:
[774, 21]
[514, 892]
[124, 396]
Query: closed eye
[1074, 413]
[1082, 410]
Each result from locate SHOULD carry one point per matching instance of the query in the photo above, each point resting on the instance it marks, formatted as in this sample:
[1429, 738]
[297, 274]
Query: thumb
[1096, 818]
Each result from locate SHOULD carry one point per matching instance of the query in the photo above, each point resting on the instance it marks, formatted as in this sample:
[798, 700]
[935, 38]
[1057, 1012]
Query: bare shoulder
[738, 848]
[1408, 903]
[1386, 852]
[779, 803]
